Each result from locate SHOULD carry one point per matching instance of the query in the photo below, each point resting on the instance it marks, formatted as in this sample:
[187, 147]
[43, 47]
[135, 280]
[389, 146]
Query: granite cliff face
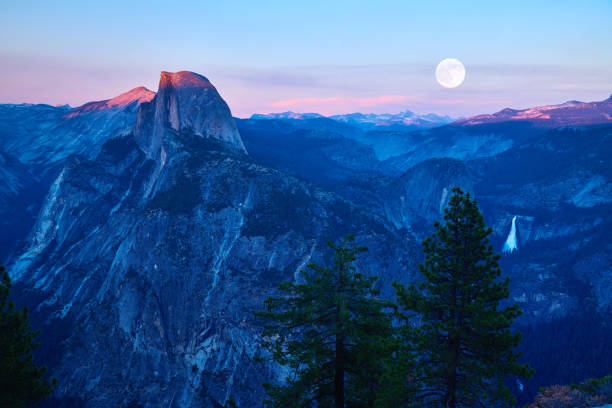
[36, 141]
[419, 196]
[185, 100]
[147, 261]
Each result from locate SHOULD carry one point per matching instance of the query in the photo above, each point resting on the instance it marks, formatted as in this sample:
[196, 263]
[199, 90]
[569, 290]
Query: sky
[328, 57]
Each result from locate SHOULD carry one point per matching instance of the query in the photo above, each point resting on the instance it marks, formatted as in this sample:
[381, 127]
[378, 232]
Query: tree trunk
[453, 345]
[451, 390]
[339, 374]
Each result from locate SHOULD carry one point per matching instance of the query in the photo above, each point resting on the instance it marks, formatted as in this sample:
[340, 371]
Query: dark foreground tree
[230, 403]
[465, 342]
[331, 333]
[22, 382]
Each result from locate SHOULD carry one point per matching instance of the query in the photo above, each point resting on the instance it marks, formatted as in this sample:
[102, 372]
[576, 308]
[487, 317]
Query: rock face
[36, 141]
[185, 100]
[144, 273]
[418, 198]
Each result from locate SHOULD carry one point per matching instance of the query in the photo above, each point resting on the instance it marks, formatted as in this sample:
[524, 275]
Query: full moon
[450, 73]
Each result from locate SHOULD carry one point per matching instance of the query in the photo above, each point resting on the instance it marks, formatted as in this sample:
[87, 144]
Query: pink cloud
[338, 100]
[466, 102]
[568, 86]
[339, 104]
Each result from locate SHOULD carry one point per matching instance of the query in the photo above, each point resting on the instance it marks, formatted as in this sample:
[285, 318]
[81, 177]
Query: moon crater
[450, 73]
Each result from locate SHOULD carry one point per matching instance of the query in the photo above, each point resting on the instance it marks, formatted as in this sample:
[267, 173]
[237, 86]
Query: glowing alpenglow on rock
[510, 245]
[185, 101]
[570, 113]
[136, 95]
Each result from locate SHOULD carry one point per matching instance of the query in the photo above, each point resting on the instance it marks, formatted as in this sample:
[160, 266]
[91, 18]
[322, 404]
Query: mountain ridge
[368, 121]
[570, 113]
[137, 95]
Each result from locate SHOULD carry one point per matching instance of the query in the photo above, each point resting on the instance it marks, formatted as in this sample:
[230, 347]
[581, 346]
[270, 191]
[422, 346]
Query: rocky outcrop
[185, 100]
[418, 197]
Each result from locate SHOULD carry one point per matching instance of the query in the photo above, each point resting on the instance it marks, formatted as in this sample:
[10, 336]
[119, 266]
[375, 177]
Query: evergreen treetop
[465, 342]
[22, 382]
[331, 333]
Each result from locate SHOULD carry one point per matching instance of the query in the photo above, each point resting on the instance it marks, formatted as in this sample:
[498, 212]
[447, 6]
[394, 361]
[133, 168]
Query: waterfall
[511, 244]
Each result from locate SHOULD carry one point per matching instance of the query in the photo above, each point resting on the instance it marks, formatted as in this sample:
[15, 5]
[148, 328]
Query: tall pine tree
[22, 382]
[465, 342]
[332, 334]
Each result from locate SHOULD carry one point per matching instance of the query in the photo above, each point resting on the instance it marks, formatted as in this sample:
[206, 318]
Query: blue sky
[331, 57]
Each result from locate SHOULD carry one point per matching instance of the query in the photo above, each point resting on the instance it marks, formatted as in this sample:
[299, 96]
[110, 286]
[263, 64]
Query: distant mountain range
[143, 231]
[571, 113]
[370, 121]
[286, 115]
[399, 120]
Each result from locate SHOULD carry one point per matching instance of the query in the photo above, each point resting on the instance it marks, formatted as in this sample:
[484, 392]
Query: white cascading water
[511, 244]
